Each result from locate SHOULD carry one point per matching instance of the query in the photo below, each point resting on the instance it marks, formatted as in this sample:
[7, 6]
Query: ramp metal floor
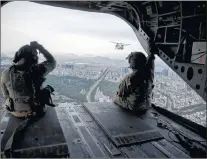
[43, 138]
[85, 137]
[121, 126]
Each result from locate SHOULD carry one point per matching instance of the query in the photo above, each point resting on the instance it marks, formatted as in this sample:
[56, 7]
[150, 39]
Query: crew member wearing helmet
[18, 82]
[135, 90]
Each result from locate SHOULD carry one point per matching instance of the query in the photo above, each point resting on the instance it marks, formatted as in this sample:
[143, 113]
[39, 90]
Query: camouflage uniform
[21, 106]
[135, 90]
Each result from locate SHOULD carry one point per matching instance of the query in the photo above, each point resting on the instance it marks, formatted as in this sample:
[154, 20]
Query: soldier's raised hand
[34, 44]
[152, 48]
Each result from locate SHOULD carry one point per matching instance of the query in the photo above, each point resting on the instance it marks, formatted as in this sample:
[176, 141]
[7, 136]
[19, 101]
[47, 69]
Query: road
[88, 95]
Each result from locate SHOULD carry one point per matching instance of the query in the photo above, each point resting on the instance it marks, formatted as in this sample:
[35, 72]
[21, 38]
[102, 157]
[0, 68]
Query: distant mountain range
[100, 60]
[87, 58]
[5, 58]
[90, 59]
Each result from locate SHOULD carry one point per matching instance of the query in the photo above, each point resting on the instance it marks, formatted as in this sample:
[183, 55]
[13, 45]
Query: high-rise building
[124, 71]
[162, 86]
[158, 73]
[165, 72]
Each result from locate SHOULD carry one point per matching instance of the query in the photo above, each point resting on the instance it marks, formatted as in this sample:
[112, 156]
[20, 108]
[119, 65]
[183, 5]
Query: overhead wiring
[200, 53]
[199, 56]
[183, 30]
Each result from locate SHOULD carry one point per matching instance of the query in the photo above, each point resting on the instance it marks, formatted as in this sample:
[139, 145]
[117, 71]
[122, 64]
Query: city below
[81, 81]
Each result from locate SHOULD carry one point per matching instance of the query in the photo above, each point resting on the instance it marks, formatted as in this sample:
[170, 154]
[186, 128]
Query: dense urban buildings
[72, 81]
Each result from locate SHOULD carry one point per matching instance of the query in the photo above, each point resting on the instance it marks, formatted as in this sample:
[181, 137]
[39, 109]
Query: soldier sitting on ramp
[21, 83]
[135, 90]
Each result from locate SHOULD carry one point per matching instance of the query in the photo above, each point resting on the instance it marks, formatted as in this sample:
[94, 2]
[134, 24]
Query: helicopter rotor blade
[123, 44]
[113, 42]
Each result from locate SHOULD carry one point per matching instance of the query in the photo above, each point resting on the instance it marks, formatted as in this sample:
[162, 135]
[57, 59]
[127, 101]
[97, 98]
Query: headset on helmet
[27, 52]
[136, 60]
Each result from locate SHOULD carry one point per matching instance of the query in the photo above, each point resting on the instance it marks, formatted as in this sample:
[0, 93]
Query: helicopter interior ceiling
[179, 32]
[177, 28]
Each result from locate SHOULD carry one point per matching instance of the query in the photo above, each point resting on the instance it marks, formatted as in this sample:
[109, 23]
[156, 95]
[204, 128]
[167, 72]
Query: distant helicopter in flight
[119, 46]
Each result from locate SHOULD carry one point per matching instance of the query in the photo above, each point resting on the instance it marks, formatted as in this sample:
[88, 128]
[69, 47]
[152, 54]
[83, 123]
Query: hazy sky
[64, 30]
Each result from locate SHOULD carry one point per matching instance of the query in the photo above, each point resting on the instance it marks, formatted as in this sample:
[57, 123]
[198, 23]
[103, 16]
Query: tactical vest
[20, 89]
[140, 96]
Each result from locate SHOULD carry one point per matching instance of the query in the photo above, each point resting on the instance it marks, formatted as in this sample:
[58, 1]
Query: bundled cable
[175, 131]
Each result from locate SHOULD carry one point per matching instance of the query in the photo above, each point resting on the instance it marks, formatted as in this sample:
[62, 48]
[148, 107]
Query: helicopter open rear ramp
[43, 138]
[121, 126]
